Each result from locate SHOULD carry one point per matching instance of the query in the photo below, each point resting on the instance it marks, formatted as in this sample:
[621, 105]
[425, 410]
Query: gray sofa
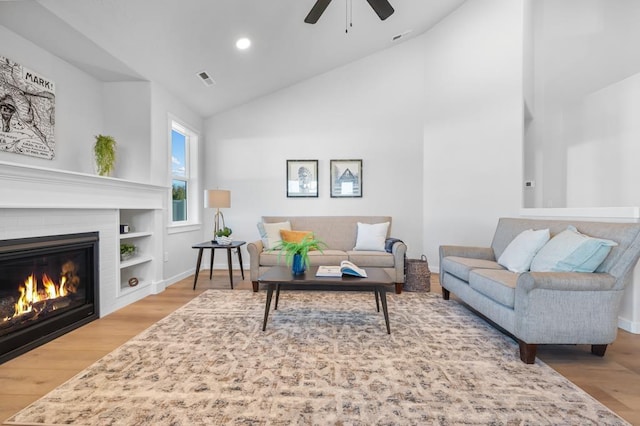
[544, 307]
[339, 233]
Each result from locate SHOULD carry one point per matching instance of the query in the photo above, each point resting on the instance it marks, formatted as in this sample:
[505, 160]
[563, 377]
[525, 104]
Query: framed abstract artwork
[302, 178]
[346, 178]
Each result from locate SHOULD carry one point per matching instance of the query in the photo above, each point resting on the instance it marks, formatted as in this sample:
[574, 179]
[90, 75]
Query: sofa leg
[598, 350]
[527, 352]
[398, 288]
[445, 293]
[255, 286]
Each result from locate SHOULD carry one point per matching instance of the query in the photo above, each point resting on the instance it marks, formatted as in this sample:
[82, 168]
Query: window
[183, 175]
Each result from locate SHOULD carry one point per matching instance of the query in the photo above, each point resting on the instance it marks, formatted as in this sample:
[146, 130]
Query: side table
[213, 246]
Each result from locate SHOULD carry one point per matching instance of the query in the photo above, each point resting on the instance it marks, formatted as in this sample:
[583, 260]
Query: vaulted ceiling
[170, 41]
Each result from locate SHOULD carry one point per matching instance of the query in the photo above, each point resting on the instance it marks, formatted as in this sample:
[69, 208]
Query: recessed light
[243, 43]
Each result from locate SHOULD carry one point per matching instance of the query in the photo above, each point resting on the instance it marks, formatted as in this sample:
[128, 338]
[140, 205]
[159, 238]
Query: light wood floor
[613, 380]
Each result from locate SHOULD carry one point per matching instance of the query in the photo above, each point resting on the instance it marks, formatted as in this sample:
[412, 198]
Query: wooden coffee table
[280, 277]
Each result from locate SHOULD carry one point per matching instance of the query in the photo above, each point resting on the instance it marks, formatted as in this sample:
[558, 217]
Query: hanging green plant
[105, 153]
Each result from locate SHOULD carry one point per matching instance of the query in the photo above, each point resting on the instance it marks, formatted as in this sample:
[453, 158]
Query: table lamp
[218, 198]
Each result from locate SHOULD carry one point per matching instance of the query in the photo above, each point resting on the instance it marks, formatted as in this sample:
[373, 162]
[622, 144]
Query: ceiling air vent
[208, 81]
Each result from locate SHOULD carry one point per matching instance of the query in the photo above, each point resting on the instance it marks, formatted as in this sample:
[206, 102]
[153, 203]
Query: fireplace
[48, 287]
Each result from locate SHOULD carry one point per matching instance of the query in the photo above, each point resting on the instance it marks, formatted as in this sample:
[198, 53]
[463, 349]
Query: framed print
[302, 178]
[346, 178]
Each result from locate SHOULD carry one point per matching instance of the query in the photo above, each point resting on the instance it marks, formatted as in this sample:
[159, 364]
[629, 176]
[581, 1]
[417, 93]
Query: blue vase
[298, 266]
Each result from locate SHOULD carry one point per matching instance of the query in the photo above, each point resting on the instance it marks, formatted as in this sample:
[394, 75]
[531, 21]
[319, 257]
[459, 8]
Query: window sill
[188, 227]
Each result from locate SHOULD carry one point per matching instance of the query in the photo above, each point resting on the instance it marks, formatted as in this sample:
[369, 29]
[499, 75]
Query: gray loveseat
[340, 234]
[545, 307]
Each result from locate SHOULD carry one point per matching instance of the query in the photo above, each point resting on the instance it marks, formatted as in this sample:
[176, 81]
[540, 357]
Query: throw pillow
[295, 236]
[519, 253]
[371, 237]
[571, 251]
[270, 233]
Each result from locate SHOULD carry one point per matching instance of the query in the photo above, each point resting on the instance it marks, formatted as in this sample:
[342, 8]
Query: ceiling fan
[381, 7]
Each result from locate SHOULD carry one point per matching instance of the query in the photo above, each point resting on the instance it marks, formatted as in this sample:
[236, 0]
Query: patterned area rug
[325, 358]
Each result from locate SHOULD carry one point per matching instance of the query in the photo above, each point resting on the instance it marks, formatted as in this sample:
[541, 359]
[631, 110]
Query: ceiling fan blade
[316, 11]
[382, 7]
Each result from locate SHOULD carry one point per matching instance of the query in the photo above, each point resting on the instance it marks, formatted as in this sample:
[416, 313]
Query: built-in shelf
[132, 235]
[136, 260]
[142, 266]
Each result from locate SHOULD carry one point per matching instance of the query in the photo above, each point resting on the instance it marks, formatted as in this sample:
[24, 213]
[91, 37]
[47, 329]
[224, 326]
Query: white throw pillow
[571, 251]
[519, 253]
[270, 233]
[371, 237]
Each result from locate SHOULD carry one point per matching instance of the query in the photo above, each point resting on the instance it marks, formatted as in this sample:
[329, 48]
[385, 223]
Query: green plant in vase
[127, 251]
[223, 236]
[105, 154]
[297, 252]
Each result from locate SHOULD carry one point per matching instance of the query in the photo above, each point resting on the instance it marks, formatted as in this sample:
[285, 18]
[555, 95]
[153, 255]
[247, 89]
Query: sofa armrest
[564, 281]
[485, 253]
[399, 251]
[255, 248]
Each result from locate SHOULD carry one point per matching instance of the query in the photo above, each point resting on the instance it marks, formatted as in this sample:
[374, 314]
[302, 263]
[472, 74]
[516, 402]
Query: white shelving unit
[141, 265]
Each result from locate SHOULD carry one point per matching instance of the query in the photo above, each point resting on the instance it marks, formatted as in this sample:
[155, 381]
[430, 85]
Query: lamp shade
[218, 198]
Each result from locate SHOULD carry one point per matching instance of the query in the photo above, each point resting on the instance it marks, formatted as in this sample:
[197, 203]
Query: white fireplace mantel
[23, 186]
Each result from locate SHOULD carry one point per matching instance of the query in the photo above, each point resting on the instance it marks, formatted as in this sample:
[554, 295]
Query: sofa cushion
[371, 236]
[519, 253]
[371, 258]
[571, 251]
[270, 233]
[295, 236]
[498, 285]
[327, 257]
[316, 258]
[461, 266]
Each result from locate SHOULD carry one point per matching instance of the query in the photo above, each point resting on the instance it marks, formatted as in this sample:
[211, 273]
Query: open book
[345, 268]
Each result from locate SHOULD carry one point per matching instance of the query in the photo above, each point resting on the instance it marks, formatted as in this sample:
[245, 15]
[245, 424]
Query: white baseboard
[176, 278]
[630, 326]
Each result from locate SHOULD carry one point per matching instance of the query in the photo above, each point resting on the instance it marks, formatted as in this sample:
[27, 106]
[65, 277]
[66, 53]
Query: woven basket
[418, 277]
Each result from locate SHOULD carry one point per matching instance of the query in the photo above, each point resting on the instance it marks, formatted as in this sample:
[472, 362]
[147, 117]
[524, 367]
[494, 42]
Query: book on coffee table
[345, 268]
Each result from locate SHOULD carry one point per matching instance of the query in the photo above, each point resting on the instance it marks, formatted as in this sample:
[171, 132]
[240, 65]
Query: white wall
[369, 110]
[78, 106]
[177, 246]
[585, 60]
[473, 123]
[135, 113]
[127, 116]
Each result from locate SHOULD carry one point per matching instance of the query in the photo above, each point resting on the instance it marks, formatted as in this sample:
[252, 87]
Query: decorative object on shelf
[302, 178]
[133, 281]
[105, 154]
[27, 108]
[124, 229]
[223, 236]
[297, 252]
[346, 178]
[127, 251]
[218, 199]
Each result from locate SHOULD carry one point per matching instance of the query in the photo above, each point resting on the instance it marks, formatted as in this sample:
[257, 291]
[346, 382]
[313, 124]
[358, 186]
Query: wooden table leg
[383, 299]
[213, 252]
[229, 266]
[195, 279]
[267, 306]
[240, 260]
[277, 296]
[377, 300]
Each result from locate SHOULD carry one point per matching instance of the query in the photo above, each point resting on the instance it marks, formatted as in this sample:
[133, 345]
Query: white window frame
[193, 185]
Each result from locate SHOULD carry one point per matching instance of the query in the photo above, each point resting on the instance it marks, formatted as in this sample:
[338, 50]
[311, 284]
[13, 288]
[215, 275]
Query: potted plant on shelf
[297, 252]
[223, 236]
[127, 251]
[105, 154]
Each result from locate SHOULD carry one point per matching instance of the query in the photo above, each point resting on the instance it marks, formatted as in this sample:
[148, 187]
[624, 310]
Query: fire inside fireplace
[48, 286]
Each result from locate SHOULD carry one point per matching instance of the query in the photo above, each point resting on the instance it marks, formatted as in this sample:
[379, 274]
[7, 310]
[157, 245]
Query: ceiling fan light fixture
[243, 43]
